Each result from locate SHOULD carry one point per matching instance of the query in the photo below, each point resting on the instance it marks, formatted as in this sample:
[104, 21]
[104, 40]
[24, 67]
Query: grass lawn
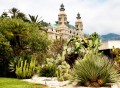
[16, 83]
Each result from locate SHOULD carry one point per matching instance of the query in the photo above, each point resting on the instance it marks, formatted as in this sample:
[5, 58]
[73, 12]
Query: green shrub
[18, 37]
[48, 71]
[25, 69]
[94, 71]
[56, 67]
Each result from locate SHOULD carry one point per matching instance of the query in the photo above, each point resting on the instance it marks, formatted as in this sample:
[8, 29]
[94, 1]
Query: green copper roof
[71, 26]
[68, 25]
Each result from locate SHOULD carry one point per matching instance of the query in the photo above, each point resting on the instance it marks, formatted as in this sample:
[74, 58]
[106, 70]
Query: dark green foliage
[5, 55]
[70, 58]
[18, 38]
[48, 71]
[14, 11]
[4, 15]
[33, 19]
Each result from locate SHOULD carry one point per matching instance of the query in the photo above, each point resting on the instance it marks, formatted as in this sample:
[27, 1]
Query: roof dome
[62, 7]
[78, 16]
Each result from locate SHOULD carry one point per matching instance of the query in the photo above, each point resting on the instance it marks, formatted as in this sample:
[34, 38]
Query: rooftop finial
[62, 7]
[78, 16]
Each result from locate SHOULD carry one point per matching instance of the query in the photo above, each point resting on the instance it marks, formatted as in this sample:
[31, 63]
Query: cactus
[56, 67]
[62, 67]
[116, 53]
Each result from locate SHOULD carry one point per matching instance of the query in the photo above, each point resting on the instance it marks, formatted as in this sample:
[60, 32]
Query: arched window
[76, 26]
[59, 18]
[52, 29]
[60, 22]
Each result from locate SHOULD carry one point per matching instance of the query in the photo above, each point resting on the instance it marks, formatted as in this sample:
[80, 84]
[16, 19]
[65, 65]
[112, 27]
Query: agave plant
[94, 71]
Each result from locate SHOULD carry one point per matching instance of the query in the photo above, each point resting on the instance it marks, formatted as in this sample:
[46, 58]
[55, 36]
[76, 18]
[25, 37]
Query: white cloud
[100, 16]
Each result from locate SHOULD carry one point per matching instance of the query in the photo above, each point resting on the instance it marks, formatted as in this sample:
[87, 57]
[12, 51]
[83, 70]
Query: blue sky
[101, 16]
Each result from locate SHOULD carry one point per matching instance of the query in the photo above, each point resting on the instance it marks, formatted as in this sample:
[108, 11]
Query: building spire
[62, 7]
[78, 16]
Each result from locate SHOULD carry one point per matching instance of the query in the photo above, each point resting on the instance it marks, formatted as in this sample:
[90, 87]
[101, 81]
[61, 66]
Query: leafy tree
[20, 15]
[21, 38]
[15, 13]
[5, 54]
[4, 15]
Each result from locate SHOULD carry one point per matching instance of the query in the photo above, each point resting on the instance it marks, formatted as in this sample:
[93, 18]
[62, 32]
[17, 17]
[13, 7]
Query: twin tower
[62, 28]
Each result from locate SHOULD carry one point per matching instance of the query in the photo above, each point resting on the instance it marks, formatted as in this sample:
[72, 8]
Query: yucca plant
[25, 69]
[94, 70]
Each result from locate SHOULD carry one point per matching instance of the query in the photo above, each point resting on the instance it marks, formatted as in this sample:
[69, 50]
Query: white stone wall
[116, 44]
[110, 44]
[64, 33]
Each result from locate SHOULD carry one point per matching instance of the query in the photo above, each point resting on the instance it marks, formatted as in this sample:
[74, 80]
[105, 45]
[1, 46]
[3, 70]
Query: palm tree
[14, 11]
[20, 15]
[41, 24]
[4, 15]
[34, 19]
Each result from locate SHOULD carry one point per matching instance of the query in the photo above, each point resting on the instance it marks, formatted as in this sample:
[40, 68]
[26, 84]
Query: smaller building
[107, 46]
[62, 28]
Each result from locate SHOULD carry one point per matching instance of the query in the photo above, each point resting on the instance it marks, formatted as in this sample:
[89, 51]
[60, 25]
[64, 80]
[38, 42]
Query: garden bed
[52, 82]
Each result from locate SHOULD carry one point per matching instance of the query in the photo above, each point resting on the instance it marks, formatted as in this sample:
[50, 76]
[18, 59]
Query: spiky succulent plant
[94, 70]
